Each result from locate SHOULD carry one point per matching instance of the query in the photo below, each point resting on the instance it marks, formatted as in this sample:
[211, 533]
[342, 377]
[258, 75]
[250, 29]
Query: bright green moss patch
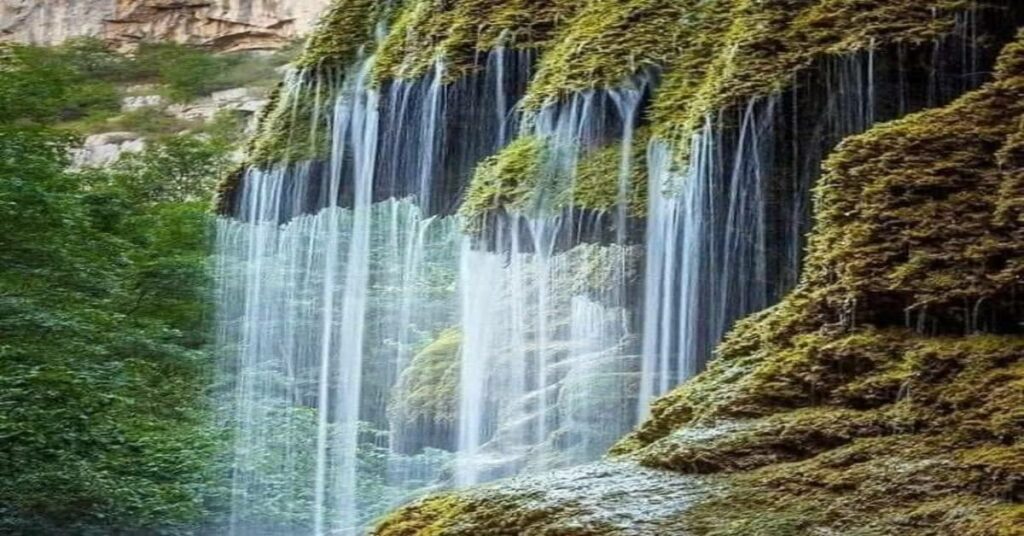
[457, 31]
[607, 42]
[504, 181]
[344, 28]
[425, 517]
[428, 389]
[531, 176]
[598, 184]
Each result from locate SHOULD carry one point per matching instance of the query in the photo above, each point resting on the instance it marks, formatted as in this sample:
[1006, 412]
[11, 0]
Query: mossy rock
[428, 389]
[506, 181]
[344, 28]
[917, 213]
[457, 32]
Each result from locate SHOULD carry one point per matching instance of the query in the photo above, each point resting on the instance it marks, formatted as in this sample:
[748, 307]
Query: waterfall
[346, 279]
[333, 274]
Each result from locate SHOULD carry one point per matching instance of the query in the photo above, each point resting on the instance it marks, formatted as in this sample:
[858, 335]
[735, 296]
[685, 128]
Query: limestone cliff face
[222, 24]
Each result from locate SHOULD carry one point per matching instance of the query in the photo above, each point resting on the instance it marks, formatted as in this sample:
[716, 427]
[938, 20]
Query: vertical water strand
[477, 293]
[657, 267]
[627, 102]
[432, 115]
[364, 119]
[496, 64]
[340, 125]
[694, 222]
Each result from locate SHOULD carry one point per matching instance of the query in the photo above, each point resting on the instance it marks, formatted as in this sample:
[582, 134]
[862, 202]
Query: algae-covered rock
[598, 499]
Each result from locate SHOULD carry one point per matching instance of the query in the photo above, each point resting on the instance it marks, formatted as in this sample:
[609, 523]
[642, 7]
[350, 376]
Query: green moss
[428, 389]
[596, 185]
[891, 485]
[343, 28]
[526, 177]
[608, 41]
[457, 31]
[718, 53]
[295, 124]
[907, 209]
[425, 517]
[741, 49]
[504, 181]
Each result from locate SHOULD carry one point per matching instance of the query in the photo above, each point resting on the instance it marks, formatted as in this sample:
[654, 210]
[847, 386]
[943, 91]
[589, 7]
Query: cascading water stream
[333, 274]
[549, 369]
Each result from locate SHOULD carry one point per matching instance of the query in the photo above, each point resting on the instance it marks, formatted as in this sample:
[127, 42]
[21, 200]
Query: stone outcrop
[104, 149]
[245, 100]
[226, 25]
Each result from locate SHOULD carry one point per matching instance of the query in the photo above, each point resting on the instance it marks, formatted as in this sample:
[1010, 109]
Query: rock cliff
[226, 25]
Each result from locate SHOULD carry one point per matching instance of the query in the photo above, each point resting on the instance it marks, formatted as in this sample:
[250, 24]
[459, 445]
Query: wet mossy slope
[884, 396]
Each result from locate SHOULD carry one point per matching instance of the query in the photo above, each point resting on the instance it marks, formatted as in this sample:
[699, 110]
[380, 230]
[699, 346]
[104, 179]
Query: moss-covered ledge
[749, 48]
[293, 126]
[344, 28]
[457, 32]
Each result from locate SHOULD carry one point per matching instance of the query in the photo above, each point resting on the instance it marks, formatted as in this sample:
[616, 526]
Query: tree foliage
[104, 424]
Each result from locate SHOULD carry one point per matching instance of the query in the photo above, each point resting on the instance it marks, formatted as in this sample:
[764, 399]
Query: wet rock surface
[600, 498]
